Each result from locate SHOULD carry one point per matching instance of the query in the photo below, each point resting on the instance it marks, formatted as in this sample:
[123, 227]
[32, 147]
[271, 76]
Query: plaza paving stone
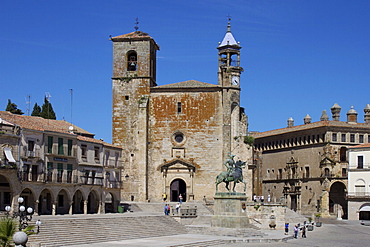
[332, 233]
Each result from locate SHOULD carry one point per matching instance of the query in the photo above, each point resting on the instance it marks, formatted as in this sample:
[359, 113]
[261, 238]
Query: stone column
[36, 208]
[85, 206]
[54, 208]
[70, 211]
[100, 206]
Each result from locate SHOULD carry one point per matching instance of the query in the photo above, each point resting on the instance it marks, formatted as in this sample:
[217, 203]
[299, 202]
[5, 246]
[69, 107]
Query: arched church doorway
[178, 186]
[5, 195]
[337, 196]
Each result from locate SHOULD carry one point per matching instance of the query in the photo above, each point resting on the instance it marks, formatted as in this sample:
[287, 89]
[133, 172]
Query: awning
[8, 154]
[365, 208]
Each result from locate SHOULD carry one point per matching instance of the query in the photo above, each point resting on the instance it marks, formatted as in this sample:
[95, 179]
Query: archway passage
[337, 195]
[63, 203]
[45, 203]
[78, 203]
[178, 186]
[5, 195]
[109, 205]
[92, 203]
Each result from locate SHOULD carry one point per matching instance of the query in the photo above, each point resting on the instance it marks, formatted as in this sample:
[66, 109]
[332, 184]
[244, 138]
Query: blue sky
[299, 56]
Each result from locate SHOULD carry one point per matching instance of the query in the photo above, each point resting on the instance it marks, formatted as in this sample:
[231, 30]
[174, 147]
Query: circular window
[179, 137]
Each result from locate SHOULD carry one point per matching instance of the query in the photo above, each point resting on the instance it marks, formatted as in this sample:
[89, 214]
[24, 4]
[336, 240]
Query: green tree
[47, 110]
[7, 230]
[13, 108]
[36, 110]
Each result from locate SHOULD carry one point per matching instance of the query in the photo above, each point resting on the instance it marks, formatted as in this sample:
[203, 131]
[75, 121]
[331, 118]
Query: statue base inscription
[230, 210]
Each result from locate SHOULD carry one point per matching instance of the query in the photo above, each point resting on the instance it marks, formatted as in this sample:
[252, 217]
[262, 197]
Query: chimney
[352, 116]
[335, 112]
[324, 116]
[307, 119]
[367, 114]
[290, 122]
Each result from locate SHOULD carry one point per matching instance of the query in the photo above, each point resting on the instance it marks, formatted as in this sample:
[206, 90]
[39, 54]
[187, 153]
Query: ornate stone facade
[175, 137]
[306, 166]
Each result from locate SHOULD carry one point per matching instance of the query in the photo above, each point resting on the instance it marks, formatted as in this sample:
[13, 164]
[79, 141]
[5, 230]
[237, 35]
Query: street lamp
[24, 216]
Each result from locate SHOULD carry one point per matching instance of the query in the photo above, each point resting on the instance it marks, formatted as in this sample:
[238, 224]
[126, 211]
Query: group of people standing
[296, 230]
[167, 207]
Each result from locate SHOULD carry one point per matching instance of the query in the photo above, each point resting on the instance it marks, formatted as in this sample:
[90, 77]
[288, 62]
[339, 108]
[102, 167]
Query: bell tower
[229, 71]
[134, 73]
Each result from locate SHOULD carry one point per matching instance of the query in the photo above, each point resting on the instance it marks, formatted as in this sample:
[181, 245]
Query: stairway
[72, 230]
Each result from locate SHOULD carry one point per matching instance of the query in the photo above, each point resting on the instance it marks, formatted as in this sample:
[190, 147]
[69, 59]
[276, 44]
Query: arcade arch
[5, 193]
[338, 200]
[45, 206]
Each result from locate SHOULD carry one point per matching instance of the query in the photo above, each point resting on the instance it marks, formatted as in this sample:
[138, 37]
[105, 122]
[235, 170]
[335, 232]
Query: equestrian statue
[234, 174]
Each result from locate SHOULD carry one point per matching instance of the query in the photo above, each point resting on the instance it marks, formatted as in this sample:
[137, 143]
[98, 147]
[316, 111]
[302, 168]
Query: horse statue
[234, 174]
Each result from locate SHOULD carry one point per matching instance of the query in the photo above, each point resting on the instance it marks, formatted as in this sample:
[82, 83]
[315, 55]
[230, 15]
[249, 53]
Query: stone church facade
[175, 137]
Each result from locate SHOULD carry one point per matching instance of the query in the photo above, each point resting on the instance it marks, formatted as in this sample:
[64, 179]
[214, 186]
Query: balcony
[91, 180]
[358, 195]
[113, 184]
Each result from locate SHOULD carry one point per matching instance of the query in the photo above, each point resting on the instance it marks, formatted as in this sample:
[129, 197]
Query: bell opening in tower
[131, 61]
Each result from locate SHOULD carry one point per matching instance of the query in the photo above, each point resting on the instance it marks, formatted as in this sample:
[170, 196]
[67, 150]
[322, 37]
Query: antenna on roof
[71, 94]
[136, 24]
[228, 17]
[28, 103]
[48, 96]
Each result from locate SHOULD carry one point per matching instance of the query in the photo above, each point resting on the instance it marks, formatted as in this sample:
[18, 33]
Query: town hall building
[175, 137]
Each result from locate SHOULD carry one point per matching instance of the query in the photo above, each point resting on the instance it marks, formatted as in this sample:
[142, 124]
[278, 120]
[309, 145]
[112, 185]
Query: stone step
[61, 231]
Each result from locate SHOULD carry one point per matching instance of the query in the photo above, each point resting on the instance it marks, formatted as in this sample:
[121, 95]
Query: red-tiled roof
[89, 139]
[41, 124]
[136, 34]
[366, 145]
[188, 84]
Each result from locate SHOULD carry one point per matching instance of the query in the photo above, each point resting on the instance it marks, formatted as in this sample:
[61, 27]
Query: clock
[235, 80]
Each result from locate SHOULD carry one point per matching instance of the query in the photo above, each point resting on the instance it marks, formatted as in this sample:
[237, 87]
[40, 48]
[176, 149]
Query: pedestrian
[254, 198]
[262, 199]
[286, 228]
[164, 196]
[295, 231]
[304, 231]
[166, 209]
[180, 198]
[177, 208]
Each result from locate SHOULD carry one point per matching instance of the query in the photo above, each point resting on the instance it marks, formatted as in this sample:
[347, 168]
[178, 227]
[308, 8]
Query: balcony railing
[355, 166]
[113, 184]
[358, 194]
[90, 180]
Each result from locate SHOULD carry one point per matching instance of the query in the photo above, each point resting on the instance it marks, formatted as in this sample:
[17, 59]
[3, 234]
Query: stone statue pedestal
[230, 210]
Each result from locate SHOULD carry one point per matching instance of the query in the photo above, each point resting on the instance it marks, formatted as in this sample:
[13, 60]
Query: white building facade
[359, 182]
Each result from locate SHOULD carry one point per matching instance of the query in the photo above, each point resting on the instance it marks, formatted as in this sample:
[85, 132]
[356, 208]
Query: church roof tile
[188, 84]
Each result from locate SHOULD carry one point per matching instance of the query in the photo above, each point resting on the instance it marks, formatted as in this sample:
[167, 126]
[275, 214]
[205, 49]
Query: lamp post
[24, 216]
